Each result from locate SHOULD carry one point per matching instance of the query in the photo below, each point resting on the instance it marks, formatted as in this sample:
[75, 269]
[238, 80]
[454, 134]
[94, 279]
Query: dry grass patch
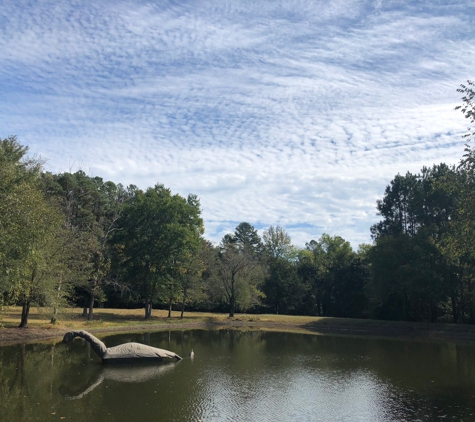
[103, 318]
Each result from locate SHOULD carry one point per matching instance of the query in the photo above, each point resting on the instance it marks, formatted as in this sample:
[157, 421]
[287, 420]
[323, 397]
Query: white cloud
[295, 113]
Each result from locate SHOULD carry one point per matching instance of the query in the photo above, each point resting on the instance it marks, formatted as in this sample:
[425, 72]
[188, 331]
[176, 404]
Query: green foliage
[407, 282]
[30, 226]
[283, 288]
[334, 276]
[16, 178]
[80, 238]
[423, 253]
[246, 238]
[238, 267]
[158, 234]
[92, 209]
[416, 201]
[468, 110]
[278, 244]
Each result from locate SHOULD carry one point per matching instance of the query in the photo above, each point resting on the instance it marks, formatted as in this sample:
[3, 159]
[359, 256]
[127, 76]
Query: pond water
[242, 376]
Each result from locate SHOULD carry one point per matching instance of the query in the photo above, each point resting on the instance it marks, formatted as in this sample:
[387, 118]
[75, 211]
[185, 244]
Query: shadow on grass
[394, 329]
[136, 318]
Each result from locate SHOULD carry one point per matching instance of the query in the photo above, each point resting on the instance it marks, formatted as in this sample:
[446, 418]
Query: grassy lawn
[103, 318]
[113, 318]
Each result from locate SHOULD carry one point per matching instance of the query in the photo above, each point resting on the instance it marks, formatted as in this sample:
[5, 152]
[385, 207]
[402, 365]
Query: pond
[239, 375]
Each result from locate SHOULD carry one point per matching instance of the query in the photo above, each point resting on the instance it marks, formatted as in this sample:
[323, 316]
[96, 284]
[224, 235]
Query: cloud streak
[294, 113]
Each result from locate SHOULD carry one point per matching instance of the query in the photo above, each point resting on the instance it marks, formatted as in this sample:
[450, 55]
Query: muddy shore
[402, 330]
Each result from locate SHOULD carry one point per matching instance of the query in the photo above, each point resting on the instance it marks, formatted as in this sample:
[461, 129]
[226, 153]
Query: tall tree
[459, 243]
[283, 289]
[246, 238]
[239, 268]
[414, 265]
[43, 266]
[333, 256]
[158, 232]
[331, 270]
[16, 172]
[278, 244]
[399, 207]
[408, 282]
[30, 231]
[193, 289]
[92, 209]
[468, 109]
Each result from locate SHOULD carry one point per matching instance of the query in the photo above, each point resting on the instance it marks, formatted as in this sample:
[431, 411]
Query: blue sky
[290, 113]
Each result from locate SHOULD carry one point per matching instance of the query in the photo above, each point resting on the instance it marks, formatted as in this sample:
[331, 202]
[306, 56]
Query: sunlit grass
[104, 318]
[72, 318]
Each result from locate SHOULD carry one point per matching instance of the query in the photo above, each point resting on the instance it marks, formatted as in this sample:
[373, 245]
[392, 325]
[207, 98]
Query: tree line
[72, 239]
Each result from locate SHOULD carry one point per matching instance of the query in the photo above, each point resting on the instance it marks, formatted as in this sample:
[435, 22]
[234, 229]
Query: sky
[292, 113]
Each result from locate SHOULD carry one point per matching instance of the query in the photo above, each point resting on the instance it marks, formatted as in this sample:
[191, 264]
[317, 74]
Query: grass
[117, 320]
[103, 318]
[113, 318]
[71, 318]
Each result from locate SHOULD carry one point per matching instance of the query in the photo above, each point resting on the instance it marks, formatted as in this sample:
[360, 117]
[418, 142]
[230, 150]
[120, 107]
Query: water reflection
[128, 373]
[242, 375]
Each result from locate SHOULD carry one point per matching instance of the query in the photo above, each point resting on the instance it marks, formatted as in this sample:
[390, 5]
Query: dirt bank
[331, 326]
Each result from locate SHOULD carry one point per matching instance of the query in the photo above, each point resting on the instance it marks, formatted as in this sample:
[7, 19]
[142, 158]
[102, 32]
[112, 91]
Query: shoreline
[11, 335]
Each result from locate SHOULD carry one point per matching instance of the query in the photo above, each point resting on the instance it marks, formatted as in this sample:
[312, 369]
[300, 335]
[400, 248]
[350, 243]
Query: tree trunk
[84, 312]
[433, 312]
[183, 304]
[91, 307]
[25, 311]
[148, 309]
[182, 308]
[55, 309]
[232, 305]
[55, 312]
[232, 298]
[454, 310]
[170, 305]
[470, 302]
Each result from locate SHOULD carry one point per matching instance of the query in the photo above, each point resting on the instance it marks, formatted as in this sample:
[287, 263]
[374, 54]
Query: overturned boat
[123, 352]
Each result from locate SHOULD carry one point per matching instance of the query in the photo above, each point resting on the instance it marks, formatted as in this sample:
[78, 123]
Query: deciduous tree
[239, 268]
[31, 245]
[158, 231]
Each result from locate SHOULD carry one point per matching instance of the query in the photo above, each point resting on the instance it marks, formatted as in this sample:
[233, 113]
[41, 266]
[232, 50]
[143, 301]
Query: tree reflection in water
[242, 375]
